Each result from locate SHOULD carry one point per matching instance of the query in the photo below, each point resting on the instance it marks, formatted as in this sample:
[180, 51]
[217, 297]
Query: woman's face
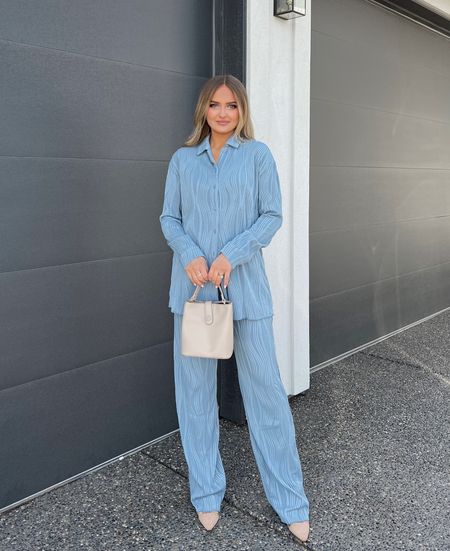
[222, 114]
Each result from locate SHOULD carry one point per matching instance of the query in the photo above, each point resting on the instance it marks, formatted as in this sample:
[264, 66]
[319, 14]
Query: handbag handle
[197, 290]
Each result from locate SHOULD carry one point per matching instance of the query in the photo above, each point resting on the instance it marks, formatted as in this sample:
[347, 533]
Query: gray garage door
[94, 98]
[380, 174]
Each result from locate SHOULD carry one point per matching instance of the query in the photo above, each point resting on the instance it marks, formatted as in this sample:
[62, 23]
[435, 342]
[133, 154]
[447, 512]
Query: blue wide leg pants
[269, 417]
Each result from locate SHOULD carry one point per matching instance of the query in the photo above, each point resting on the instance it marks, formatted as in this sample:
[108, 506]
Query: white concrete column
[278, 80]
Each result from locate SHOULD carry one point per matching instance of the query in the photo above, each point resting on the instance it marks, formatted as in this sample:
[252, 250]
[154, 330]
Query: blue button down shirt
[232, 206]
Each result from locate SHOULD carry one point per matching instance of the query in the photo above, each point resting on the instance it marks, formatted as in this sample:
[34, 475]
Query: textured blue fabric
[232, 206]
[269, 417]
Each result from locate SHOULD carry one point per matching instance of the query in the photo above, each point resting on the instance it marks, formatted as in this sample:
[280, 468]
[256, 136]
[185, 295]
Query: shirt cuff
[232, 254]
[188, 255]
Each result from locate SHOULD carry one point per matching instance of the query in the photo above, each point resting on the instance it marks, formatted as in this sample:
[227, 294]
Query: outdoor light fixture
[288, 9]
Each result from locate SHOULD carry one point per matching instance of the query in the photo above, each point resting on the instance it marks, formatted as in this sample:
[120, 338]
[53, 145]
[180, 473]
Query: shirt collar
[205, 145]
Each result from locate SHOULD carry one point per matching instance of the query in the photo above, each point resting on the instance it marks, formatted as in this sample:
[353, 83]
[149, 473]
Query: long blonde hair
[244, 128]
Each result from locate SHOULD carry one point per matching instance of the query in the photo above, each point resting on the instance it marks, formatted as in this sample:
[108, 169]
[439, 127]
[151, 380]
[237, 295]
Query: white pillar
[277, 81]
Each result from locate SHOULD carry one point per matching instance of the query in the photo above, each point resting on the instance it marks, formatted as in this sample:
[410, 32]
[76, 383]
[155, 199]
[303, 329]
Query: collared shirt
[232, 206]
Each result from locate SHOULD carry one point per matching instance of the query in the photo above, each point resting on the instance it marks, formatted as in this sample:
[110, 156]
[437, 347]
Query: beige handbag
[207, 327]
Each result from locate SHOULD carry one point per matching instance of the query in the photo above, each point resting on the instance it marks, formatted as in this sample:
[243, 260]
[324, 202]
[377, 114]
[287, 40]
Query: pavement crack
[233, 504]
[415, 365]
[164, 464]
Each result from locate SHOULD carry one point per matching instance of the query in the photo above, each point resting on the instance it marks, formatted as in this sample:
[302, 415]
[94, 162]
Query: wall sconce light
[288, 9]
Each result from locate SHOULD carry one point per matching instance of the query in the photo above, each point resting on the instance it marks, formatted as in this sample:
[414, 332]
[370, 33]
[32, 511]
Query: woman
[222, 205]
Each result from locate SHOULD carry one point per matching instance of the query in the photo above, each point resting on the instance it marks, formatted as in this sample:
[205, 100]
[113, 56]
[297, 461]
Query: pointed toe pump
[300, 530]
[208, 520]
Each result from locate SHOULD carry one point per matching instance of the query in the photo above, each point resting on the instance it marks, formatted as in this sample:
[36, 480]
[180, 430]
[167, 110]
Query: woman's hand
[197, 271]
[221, 265]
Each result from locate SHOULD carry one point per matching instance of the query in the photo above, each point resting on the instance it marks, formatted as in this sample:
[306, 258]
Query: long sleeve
[244, 245]
[171, 218]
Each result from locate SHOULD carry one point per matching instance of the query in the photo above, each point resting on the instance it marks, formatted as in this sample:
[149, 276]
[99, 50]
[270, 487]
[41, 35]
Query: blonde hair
[244, 128]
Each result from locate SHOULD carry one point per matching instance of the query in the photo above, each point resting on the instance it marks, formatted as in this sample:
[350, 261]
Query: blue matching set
[232, 206]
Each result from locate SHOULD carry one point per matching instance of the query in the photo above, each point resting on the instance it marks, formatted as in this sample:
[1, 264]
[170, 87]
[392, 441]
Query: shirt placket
[216, 202]
[216, 186]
